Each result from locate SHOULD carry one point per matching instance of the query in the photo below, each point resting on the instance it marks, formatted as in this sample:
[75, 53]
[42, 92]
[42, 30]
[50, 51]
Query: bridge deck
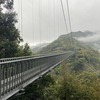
[18, 73]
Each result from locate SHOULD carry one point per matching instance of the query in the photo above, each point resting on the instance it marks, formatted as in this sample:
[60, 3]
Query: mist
[85, 15]
[90, 38]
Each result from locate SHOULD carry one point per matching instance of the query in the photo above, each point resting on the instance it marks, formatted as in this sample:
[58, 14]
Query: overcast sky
[43, 20]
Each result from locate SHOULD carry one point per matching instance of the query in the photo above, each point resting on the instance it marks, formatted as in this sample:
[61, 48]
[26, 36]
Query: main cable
[64, 15]
[67, 2]
[69, 16]
[65, 20]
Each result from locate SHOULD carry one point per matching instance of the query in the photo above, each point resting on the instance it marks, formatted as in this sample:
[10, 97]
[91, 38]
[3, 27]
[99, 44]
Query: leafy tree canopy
[9, 34]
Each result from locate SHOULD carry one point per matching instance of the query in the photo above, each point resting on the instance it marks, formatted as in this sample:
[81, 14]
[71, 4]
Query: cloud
[93, 38]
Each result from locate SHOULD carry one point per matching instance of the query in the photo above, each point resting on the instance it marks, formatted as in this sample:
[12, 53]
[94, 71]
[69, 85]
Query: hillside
[89, 38]
[85, 39]
[38, 47]
[82, 34]
[86, 56]
[62, 44]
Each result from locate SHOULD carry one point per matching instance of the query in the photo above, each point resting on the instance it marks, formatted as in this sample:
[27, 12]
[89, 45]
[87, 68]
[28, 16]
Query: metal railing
[14, 58]
[17, 74]
[25, 57]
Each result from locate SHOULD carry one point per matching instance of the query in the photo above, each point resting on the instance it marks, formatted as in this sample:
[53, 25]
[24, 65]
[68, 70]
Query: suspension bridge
[18, 72]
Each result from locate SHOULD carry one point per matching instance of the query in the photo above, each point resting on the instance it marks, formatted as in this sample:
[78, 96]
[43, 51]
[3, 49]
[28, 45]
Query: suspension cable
[54, 19]
[49, 20]
[21, 18]
[59, 18]
[64, 15]
[40, 21]
[69, 16]
[39, 12]
[18, 16]
[65, 20]
[32, 23]
[70, 25]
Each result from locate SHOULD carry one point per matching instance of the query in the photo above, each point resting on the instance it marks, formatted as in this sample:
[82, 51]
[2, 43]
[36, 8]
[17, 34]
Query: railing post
[21, 65]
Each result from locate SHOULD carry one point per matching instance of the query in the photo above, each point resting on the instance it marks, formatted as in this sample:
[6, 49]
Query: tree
[25, 50]
[9, 34]
[36, 90]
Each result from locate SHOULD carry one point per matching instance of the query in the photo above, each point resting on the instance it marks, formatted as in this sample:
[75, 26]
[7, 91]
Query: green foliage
[70, 86]
[85, 59]
[9, 34]
[78, 65]
[24, 50]
[36, 90]
[78, 78]
[62, 44]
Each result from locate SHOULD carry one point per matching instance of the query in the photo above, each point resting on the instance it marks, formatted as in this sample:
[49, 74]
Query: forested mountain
[82, 34]
[89, 38]
[64, 43]
[85, 39]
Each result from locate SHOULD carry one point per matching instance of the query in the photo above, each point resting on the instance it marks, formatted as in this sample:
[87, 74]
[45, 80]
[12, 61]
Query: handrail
[18, 59]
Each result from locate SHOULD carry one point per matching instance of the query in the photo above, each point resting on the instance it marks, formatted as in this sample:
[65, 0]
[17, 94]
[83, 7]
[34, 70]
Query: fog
[93, 38]
[42, 20]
